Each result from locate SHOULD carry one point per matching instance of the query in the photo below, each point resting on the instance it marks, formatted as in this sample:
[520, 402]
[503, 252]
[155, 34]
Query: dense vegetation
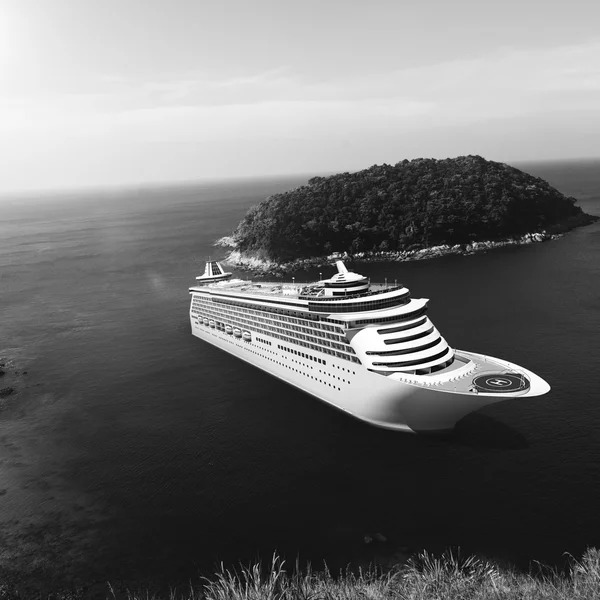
[413, 204]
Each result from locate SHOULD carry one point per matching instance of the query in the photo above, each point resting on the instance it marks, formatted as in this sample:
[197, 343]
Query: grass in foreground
[424, 577]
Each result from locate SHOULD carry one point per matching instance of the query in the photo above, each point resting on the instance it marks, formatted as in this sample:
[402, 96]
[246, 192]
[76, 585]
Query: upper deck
[310, 296]
[345, 292]
[299, 291]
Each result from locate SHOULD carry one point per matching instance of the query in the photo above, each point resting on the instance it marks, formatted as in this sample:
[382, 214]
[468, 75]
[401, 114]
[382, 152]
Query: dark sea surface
[133, 452]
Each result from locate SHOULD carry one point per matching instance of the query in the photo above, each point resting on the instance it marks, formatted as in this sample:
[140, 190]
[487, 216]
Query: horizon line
[191, 182]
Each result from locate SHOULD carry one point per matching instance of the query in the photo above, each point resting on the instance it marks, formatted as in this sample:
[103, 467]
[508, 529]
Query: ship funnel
[213, 272]
[341, 267]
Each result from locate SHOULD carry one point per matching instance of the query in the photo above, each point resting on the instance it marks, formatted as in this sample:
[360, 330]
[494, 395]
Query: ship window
[408, 338]
[406, 317]
[402, 327]
[408, 363]
[331, 307]
[406, 350]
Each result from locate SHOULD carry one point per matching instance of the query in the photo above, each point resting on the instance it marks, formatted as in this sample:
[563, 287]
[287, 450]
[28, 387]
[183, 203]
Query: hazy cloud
[390, 111]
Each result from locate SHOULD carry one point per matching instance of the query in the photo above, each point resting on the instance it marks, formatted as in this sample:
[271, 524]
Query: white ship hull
[370, 397]
[367, 349]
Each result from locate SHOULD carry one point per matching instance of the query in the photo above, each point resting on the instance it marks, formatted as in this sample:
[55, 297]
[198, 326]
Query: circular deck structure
[501, 382]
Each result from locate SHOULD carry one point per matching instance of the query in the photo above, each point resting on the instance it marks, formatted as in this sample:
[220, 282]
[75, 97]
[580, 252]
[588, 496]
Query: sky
[127, 92]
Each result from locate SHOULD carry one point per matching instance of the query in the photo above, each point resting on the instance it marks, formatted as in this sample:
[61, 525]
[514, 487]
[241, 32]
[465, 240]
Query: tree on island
[412, 204]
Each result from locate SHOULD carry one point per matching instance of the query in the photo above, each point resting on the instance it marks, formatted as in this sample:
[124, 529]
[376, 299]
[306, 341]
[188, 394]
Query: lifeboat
[205, 321]
[237, 332]
[228, 329]
[246, 336]
[211, 323]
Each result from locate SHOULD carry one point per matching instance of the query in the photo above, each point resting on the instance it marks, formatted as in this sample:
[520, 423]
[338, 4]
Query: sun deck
[301, 291]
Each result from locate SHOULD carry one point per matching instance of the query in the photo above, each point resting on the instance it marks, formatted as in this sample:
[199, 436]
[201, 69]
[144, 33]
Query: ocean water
[133, 452]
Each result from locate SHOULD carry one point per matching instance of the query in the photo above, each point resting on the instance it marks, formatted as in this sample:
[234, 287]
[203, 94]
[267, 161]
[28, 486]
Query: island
[413, 209]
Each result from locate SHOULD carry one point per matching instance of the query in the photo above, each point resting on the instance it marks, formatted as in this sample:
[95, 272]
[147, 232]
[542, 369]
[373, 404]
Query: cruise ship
[369, 350]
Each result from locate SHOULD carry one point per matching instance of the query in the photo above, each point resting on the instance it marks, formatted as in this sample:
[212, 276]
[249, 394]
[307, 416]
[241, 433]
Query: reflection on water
[482, 431]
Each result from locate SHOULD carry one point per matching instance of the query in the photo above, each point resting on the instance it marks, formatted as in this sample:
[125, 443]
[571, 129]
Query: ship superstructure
[367, 349]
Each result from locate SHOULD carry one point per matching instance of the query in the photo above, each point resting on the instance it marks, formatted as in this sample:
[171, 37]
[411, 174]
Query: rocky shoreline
[261, 266]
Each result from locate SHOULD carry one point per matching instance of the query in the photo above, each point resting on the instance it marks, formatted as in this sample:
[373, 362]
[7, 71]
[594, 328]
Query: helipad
[501, 382]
